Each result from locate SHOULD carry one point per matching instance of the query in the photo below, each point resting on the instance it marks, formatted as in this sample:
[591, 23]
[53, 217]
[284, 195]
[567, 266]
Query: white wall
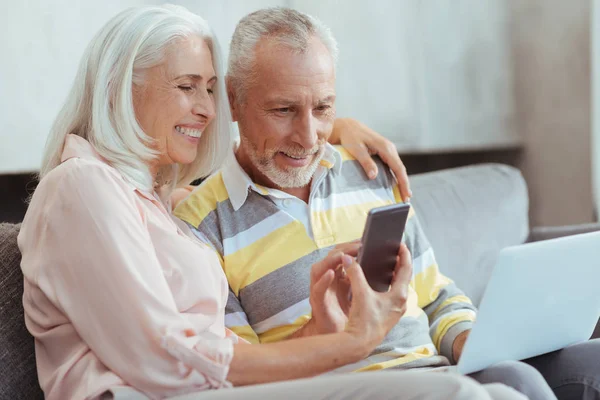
[595, 51]
[430, 76]
[550, 41]
[41, 43]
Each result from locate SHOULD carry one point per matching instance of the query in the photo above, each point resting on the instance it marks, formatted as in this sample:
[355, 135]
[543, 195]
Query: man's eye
[323, 108]
[283, 110]
[210, 91]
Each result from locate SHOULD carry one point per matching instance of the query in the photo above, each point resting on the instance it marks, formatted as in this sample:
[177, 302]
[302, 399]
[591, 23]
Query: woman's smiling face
[175, 103]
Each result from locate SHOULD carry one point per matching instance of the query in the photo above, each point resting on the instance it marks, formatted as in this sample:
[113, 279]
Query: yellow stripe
[346, 156]
[326, 164]
[448, 322]
[262, 189]
[421, 353]
[412, 304]
[202, 201]
[428, 284]
[245, 332]
[349, 222]
[267, 254]
[279, 333]
[453, 300]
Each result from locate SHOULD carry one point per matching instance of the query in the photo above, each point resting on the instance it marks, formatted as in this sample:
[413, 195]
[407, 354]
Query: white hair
[100, 109]
[288, 27]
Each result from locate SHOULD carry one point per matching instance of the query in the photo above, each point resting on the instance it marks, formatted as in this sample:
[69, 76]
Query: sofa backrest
[18, 375]
[469, 214]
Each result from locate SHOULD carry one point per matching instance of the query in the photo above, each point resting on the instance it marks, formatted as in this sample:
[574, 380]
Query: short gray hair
[100, 109]
[288, 27]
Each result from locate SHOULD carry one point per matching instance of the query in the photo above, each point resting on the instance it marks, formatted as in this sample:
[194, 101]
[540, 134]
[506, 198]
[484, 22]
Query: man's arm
[450, 312]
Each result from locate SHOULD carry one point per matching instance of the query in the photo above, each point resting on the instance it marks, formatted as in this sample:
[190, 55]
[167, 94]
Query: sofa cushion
[18, 375]
[469, 214]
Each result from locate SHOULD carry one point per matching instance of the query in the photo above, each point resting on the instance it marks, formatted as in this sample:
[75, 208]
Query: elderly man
[286, 197]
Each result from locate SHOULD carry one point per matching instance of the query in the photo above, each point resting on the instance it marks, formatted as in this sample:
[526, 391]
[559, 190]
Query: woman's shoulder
[83, 178]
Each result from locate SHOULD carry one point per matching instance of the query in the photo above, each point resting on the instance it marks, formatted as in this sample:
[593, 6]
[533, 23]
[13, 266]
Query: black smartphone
[380, 244]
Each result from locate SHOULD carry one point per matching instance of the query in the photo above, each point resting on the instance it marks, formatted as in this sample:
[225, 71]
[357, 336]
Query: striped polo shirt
[268, 240]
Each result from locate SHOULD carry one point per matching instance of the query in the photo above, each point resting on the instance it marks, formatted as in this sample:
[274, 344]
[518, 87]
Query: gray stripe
[280, 289]
[448, 339]
[352, 178]
[233, 304]
[210, 228]
[434, 361]
[416, 241]
[255, 209]
[408, 332]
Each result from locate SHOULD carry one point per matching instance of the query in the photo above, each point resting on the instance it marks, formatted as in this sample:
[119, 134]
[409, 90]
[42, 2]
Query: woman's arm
[363, 142]
[101, 270]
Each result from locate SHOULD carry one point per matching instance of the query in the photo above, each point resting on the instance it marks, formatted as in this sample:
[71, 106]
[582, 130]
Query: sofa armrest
[553, 232]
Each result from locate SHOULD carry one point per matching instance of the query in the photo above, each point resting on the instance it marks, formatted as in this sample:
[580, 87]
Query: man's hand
[459, 343]
[329, 293]
[363, 142]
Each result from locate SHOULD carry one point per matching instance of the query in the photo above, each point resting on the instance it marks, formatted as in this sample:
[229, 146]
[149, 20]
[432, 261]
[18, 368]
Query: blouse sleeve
[104, 275]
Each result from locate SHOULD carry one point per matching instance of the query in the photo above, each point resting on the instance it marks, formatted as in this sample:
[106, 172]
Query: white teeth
[195, 133]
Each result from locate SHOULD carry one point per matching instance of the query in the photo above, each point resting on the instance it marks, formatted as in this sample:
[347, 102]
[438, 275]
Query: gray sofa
[469, 214]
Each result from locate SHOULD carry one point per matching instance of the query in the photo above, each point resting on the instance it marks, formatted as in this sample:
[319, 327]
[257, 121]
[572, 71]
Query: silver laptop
[541, 297]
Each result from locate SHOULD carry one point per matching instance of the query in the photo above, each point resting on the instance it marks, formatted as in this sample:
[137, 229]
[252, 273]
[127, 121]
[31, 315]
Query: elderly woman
[122, 302]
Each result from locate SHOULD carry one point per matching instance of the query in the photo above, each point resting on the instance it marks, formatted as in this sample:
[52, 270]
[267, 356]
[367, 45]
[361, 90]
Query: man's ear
[232, 104]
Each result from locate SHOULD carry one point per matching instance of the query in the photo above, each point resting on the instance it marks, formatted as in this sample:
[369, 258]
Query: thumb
[355, 275]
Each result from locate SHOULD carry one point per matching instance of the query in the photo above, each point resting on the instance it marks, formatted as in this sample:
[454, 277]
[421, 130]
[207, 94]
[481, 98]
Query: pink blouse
[116, 294]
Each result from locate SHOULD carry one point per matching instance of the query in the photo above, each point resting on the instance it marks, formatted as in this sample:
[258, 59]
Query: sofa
[469, 214]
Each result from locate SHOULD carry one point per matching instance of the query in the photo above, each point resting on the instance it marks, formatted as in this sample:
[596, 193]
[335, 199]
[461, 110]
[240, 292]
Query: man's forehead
[274, 60]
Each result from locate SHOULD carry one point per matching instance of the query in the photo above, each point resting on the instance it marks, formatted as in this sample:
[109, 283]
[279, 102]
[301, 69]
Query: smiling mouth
[191, 132]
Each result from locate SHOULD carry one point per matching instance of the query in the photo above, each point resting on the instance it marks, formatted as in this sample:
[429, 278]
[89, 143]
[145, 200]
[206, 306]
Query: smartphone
[380, 244]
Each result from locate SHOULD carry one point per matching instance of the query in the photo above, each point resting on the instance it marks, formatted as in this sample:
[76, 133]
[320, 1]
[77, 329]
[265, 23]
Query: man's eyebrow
[281, 101]
[327, 99]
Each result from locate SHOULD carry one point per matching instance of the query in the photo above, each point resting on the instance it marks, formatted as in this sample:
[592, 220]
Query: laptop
[541, 297]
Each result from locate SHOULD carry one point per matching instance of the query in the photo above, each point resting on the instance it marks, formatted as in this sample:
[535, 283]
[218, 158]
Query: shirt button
[287, 202]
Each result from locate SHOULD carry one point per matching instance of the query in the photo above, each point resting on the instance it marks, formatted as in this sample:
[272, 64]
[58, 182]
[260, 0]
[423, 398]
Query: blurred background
[450, 82]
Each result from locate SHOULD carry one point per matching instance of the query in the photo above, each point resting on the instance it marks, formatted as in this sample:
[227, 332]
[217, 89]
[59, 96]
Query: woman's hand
[363, 142]
[374, 314]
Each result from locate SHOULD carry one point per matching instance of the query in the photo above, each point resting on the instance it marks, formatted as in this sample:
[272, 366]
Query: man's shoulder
[353, 172]
[203, 199]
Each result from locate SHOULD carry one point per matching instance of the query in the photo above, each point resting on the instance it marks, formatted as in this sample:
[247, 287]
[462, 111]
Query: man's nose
[306, 130]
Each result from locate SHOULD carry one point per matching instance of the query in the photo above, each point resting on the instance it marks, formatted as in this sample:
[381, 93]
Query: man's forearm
[293, 359]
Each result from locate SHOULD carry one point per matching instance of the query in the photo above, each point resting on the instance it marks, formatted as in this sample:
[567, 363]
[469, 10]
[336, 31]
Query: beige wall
[551, 55]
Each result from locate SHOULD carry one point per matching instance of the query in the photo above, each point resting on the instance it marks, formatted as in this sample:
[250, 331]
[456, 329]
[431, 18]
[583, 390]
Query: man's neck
[259, 178]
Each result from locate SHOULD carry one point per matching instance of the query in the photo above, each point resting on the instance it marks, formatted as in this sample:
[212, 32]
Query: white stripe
[285, 317]
[256, 232]
[424, 261]
[236, 319]
[362, 196]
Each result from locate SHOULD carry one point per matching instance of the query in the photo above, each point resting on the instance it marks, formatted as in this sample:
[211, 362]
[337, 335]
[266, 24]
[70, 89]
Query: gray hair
[291, 28]
[100, 109]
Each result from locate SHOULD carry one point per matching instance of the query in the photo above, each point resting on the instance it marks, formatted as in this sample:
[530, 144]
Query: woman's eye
[186, 88]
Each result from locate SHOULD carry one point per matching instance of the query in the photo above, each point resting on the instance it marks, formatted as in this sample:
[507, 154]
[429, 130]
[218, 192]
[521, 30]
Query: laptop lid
[541, 297]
